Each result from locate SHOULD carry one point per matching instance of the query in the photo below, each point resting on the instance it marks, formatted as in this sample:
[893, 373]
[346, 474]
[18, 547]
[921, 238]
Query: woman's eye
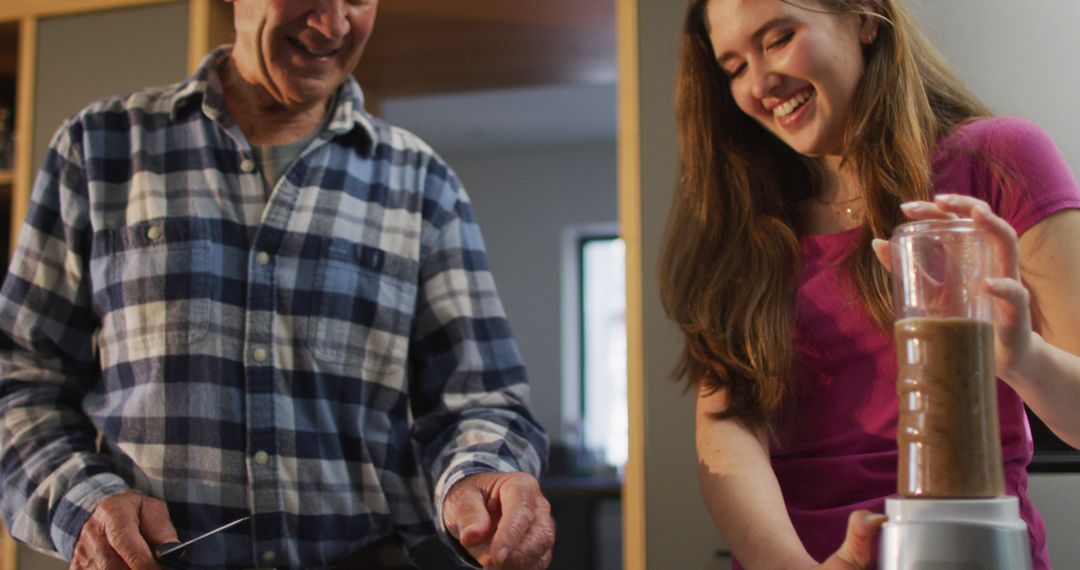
[737, 70]
[779, 42]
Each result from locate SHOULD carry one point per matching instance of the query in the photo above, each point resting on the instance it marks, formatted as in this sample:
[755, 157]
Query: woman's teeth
[790, 105]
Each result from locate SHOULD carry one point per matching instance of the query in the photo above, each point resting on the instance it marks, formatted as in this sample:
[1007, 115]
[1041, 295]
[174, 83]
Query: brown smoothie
[948, 434]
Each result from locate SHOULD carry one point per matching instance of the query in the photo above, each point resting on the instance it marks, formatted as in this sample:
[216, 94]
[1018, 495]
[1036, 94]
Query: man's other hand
[502, 519]
[121, 530]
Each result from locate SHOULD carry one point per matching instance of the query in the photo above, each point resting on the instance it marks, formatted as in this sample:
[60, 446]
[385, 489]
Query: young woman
[809, 129]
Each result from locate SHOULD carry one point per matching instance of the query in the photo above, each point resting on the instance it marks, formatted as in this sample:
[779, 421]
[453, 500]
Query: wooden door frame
[630, 222]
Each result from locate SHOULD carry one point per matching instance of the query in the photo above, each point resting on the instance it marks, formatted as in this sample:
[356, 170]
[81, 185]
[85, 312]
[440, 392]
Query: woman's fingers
[1005, 242]
[1012, 322]
[1012, 316]
[926, 211]
[883, 253]
[952, 206]
[957, 204]
[857, 551]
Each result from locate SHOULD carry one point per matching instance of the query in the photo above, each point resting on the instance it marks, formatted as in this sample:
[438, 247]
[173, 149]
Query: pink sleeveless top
[839, 450]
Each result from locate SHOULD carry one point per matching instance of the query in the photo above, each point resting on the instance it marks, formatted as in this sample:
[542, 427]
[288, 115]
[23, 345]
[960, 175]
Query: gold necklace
[852, 212]
[848, 207]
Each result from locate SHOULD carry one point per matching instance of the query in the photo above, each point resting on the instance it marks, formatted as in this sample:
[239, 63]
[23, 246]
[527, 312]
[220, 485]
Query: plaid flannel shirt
[329, 360]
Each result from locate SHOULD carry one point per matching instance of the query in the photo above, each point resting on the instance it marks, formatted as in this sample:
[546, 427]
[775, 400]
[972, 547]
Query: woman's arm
[1047, 377]
[1043, 367]
[744, 498]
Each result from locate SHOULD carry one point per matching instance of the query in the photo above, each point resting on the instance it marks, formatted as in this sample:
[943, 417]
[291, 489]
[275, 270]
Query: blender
[952, 512]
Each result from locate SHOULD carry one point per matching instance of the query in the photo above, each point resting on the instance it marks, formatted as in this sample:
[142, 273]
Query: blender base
[954, 534]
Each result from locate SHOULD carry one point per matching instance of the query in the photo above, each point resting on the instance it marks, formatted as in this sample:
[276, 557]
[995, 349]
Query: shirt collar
[205, 86]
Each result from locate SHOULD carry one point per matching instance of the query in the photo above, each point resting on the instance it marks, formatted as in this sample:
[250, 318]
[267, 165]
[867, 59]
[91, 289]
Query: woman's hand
[1012, 312]
[857, 551]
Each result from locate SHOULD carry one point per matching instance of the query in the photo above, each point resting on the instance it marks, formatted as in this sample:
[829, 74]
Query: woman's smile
[789, 113]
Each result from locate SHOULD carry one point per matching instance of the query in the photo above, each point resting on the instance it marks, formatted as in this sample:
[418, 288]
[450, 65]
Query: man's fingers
[522, 506]
[129, 544]
[514, 517]
[119, 532]
[93, 551]
[466, 515]
[154, 522]
[534, 551]
[95, 556]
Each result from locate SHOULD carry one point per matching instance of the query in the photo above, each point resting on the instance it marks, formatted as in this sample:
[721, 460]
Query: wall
[1057, 498]
[523, 198]
[678, 530]
[1017, 56]
[85, 57]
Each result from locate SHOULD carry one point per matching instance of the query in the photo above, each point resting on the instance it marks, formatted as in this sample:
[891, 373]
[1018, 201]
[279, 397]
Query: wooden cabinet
[16, 56]
[17, 39]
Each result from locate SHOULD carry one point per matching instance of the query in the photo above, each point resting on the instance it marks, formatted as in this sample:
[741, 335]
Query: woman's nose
[763, 81]
[329, 18]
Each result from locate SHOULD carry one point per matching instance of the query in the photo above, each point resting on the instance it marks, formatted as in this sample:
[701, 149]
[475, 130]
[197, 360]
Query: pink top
[839, 453]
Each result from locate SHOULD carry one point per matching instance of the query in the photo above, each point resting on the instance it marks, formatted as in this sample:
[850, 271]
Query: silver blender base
[972, 534]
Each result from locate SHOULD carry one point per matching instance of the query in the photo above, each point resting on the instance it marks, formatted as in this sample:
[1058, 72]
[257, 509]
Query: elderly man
[243, 296]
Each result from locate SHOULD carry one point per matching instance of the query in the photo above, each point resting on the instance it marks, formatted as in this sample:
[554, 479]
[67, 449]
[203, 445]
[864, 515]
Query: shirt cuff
[77, 505]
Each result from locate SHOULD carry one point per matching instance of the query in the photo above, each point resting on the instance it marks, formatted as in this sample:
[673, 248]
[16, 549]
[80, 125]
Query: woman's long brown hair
[731, 257]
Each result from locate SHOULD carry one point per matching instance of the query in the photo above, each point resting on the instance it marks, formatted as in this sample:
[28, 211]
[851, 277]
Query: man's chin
[307, 96]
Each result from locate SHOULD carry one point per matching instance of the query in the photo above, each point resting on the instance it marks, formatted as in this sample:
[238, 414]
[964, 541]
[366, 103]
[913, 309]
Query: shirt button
[262, 258]
[262, 457]
[269, 556]
[247, 165]
[259, 354]
[153, 233]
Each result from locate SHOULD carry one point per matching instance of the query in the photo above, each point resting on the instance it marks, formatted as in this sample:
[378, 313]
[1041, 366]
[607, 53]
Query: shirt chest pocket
[152, 286]
[362, 308]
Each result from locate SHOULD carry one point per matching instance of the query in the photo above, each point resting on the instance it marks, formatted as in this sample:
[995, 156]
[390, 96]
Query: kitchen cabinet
[17, 38]
[16, 52]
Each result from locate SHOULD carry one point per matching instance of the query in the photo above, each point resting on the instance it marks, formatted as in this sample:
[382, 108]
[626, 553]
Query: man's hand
[502, 519]
[121, 530]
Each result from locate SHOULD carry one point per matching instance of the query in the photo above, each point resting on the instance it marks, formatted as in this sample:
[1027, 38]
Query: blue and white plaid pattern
[329, 361]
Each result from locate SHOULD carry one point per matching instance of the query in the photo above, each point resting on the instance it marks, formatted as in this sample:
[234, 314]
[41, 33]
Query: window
[594, 347]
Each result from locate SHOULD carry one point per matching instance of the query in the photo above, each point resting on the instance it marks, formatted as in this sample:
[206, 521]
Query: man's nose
[329, 17]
